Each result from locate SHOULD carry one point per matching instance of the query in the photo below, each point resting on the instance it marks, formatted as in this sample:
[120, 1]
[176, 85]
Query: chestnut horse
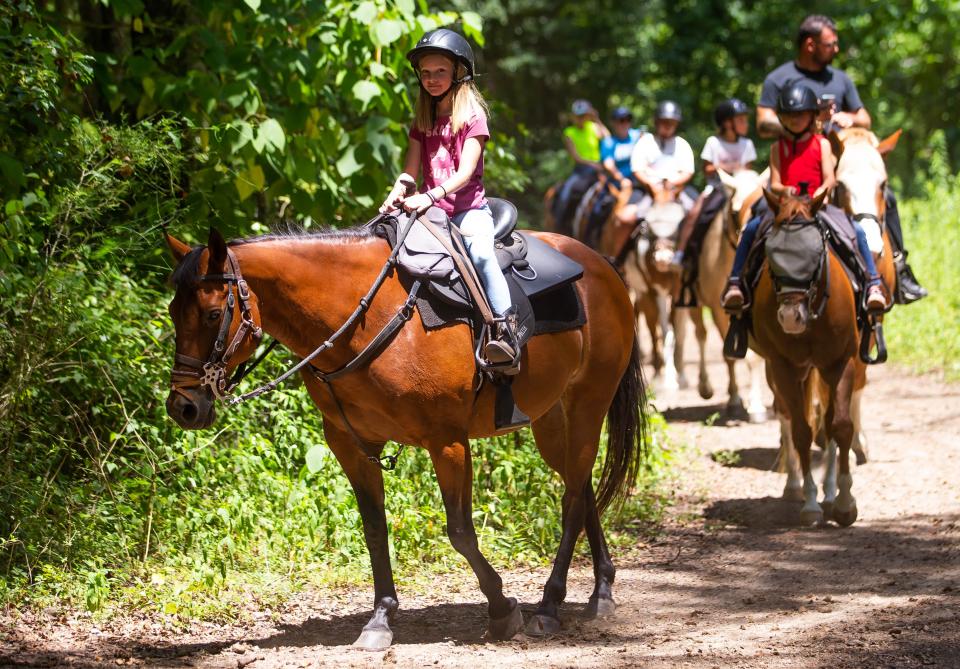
[796, 341]
[860, 192]
[422, 389]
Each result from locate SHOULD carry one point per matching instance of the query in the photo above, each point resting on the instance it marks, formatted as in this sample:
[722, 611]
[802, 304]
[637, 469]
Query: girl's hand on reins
[418, 202]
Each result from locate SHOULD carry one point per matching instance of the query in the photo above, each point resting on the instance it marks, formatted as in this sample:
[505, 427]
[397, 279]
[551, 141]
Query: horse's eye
[214, 315]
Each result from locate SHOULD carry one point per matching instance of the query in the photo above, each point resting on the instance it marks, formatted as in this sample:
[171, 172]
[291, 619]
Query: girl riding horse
[446, 141]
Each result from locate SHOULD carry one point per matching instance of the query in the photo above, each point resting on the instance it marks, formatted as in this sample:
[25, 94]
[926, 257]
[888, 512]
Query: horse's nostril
[189, 412]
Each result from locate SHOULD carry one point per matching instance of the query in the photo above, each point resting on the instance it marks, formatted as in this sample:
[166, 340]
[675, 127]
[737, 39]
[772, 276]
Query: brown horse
[645, 261]
[796, 338]
[422, 390]
[861, 181]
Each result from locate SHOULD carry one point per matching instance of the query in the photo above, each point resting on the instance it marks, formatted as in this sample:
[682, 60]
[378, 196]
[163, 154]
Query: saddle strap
[466, 271]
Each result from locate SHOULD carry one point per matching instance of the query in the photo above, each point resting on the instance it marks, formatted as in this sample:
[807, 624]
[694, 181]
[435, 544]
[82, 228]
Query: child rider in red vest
[806, 157]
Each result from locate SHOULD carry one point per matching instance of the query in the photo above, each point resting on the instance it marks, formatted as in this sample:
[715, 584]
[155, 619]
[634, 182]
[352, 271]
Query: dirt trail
[733, 582]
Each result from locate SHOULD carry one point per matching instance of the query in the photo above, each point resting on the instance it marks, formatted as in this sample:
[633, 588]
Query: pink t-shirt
[440, 158]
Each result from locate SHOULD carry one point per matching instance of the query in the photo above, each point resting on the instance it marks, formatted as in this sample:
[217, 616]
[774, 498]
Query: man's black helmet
[729, 108]
[668, 109]
[448, 43]
[796, 97]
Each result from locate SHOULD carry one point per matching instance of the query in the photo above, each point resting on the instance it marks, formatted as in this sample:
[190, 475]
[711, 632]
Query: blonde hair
[466, 99]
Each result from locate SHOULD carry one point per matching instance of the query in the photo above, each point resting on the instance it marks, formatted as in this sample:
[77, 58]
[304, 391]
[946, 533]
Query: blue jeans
[477, 228]
[750, 231]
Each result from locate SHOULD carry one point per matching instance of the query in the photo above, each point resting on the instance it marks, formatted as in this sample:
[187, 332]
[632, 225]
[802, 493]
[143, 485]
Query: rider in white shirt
[663, 161]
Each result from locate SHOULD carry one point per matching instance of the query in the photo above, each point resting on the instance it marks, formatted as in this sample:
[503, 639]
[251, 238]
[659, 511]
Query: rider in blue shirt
[615, 152]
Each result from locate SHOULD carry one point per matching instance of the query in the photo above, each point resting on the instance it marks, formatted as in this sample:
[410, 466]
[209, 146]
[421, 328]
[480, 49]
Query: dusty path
[731, 583]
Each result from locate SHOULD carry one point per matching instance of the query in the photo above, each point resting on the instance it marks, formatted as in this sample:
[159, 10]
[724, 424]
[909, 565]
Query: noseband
[212, 374]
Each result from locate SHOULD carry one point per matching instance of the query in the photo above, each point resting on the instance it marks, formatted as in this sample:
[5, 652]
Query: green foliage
[925, 335]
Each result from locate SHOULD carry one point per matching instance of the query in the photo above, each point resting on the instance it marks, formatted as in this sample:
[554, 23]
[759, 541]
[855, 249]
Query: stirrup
[735, 309]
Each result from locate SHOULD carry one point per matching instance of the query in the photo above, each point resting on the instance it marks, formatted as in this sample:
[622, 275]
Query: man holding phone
[840, 107]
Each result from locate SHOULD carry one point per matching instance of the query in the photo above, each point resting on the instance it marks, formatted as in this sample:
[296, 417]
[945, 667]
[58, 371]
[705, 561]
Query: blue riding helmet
[580, 107]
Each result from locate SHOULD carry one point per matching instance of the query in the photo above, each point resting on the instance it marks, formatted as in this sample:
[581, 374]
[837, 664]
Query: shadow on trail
[763, 459]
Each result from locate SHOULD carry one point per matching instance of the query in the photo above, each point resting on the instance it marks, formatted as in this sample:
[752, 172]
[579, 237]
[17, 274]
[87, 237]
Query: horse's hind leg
[601, 602]
[704, 387]
[558, 437]
[454, 469]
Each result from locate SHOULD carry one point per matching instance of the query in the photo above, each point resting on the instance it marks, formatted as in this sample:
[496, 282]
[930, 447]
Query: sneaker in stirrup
[501, 350]
[732, 299]
[875, 299]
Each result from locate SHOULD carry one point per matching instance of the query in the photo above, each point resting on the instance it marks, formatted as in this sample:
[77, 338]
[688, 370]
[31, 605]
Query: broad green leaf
[149, 86]
[378, 70]
[386, 31]
[406, 7]
[271, 131]
[365, 12]
[473, 26]
[250, 181]
[315, 457]
[253, 4]
[348, 165]
[365, 91]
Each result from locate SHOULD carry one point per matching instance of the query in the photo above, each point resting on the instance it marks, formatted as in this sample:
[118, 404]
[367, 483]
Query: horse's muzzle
[191, 410]
[793, 313]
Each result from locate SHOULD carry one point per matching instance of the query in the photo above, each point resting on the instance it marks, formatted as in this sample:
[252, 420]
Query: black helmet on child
[621, 113]
[797, 97]
[668, 110]
[729, 108]
[448, 43]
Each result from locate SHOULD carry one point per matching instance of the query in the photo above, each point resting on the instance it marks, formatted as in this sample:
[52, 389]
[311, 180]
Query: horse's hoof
[682, 383]
[705, 390]
[599, 608]
[861, 456]
[827, 510]
[845, 518]
[541, 625]
[792, 494]
[757, 417]
[501, 629]
[811, 518]
[374, 639]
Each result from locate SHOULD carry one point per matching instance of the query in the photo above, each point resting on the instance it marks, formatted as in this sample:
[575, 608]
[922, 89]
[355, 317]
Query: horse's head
[663, 221]
[741, 185]
[217, 324]
[793, 303]
[862, 178]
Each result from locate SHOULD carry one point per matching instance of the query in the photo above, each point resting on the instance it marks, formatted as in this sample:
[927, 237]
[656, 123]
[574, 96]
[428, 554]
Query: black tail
[626, 435]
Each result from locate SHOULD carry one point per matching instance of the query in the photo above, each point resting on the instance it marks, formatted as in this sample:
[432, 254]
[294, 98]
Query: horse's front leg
[455, 476]
[367, 481]
[841, 427]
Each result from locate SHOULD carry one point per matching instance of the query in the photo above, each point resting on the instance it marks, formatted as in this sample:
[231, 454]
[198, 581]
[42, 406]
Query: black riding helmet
[448, 43]
[668, 109]
[797, 97]
[729, 108]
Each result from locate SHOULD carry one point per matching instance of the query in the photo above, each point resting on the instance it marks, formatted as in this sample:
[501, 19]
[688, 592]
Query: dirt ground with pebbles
[732, 581]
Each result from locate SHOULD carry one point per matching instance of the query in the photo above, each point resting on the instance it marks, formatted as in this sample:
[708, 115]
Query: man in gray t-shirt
[817, 45]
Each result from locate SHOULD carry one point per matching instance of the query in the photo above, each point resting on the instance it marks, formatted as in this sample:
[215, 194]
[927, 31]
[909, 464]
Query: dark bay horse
[796, 342]
[421, 390]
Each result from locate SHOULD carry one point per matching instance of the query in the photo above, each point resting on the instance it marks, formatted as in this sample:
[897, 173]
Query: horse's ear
[771, 199]
[726, 179]
[218, 251]
[835, 143]
[887, 145]
[177, 248]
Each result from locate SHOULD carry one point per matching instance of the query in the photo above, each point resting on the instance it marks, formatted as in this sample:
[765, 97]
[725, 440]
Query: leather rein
[212, 373]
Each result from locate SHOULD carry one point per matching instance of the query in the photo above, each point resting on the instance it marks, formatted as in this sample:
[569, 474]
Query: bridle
[212, 373]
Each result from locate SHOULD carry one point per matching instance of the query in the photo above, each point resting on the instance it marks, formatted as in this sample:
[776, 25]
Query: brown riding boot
[732, 299]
